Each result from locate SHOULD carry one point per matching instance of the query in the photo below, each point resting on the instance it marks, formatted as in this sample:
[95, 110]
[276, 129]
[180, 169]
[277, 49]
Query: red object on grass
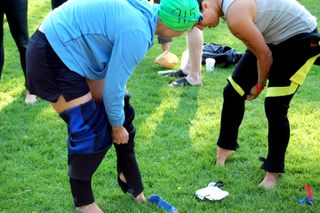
[308, 188]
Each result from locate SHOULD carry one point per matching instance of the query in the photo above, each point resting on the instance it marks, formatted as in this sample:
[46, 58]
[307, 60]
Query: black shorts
[47, 76]
[164, 40]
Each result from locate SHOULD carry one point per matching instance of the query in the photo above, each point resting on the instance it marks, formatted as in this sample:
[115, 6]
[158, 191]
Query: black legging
[288, 57]
[16, 12]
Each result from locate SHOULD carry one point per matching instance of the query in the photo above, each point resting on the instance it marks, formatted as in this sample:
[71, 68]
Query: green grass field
[177, 129]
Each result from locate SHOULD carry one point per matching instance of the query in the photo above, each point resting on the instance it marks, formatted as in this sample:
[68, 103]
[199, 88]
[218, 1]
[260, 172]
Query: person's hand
[254, 92]
[119, 135]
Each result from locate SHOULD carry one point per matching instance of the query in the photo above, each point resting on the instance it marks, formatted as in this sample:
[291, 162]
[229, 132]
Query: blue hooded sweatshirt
[103, 39]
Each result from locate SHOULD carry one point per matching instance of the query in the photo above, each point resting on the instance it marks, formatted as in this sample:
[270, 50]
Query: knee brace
[89, 138]
[126, 160]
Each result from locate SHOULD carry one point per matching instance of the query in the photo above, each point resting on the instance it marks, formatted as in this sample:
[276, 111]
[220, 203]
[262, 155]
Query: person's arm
[128, 51]
[241, 24]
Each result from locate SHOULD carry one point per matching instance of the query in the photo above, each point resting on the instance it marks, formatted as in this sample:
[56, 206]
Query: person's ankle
[194, 80]
[140, 198]
[30, 99]
[90, 208]
[223, 155]
[270, 180]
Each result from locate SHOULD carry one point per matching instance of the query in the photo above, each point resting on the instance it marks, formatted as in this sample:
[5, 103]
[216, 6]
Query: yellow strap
[301, 74]
[282, 91]
[236, 86]
[296, 80]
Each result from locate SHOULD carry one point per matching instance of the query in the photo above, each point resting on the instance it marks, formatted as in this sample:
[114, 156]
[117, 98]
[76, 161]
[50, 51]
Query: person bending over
[283, 43]
[80, 60]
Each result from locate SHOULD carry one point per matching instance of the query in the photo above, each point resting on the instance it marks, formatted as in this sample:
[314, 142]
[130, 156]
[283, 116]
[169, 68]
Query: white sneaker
[211, 192]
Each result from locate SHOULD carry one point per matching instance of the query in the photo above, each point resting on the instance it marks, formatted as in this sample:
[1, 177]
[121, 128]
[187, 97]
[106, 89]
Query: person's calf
[30, 99]
[140, 198]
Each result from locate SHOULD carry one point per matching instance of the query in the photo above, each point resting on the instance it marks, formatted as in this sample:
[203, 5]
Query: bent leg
[17, 19]
[193, 66]
[88, 141]
[276, 109]
[243, 78]
[231, 118]
[126, 160]
[88, 135]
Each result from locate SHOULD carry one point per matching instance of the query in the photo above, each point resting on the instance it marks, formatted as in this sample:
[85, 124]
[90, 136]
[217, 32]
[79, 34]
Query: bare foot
[140, 198]
[222, 156]
[91, 208]
[30, 99]
[269, 180]
[194, 80]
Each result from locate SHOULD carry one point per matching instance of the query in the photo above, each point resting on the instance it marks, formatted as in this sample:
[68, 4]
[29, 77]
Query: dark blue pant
[16, 12]
[89, 140]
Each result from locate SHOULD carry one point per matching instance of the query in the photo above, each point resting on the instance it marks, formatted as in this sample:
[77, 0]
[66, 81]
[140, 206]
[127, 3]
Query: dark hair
[200, 4]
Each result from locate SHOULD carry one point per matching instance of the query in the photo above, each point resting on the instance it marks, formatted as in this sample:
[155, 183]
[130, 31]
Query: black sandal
[182, 82]
[172, 73]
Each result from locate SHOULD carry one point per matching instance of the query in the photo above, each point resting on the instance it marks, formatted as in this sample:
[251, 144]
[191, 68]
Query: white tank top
[279, 20]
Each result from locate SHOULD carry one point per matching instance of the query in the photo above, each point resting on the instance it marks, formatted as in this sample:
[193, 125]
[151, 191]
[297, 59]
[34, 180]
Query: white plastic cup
[210, 62]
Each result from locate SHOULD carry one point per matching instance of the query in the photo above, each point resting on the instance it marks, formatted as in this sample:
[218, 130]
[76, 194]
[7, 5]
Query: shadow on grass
[32, 148]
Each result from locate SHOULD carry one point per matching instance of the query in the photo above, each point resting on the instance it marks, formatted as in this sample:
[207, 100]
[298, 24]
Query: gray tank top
[279, 20]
